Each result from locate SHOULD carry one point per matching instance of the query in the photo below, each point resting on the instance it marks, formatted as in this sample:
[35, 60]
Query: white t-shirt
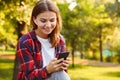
[48, 53]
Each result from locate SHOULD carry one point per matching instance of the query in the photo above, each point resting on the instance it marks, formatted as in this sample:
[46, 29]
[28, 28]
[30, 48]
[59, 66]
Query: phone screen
[63, 55]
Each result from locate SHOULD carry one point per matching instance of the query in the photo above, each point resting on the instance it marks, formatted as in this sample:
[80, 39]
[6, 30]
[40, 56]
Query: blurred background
[91, 29]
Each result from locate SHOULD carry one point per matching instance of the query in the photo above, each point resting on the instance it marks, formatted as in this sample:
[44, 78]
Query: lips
[47, 30]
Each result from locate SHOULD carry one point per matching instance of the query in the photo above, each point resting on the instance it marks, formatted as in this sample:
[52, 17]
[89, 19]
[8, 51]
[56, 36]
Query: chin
[47, 33]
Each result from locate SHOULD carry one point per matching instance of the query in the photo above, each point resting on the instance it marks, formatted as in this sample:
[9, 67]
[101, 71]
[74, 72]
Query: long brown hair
[46, 5]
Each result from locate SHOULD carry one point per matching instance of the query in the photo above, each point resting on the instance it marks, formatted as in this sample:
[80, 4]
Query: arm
[28, 65]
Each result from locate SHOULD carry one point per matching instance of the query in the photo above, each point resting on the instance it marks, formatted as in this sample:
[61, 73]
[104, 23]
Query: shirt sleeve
[63, 44]
[28, 65]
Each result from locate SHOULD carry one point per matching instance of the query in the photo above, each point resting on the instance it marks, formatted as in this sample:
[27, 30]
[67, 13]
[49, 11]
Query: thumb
[54, 59]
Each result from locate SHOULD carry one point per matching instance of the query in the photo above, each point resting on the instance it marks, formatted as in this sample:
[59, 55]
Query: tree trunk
[73, 57]
[81, 55]
[100, 43]
[94, 54]
[81, 51]
[21, 29]
[118, 8]
[73, 49]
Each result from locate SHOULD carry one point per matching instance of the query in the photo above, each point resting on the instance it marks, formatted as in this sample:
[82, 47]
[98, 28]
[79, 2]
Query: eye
[43, 20]
[52, 20]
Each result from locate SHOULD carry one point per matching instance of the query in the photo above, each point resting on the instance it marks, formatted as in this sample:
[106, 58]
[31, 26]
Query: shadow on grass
[112, 74]
[6, 73]
[6, 61]
[76, 66]
[80, 78]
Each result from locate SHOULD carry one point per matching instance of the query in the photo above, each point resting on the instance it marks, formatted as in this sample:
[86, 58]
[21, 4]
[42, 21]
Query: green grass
[6, 69]
[93, 73]
[80, 72]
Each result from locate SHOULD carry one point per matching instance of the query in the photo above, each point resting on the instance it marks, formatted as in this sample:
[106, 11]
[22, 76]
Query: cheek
[40, 24]
[54, 24]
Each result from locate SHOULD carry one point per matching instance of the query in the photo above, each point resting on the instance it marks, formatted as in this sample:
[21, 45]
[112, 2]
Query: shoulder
[61, 39]
[24, 38]
[61, 44]
[61, 36]
[28, 36]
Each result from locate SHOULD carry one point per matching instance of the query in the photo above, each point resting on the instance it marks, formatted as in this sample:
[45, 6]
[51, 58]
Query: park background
[91, 29]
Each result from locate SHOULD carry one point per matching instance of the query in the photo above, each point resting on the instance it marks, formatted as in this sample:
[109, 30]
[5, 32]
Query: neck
[41, 35]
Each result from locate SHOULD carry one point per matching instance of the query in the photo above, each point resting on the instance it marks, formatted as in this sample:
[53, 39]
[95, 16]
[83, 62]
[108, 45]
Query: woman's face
[46, 23]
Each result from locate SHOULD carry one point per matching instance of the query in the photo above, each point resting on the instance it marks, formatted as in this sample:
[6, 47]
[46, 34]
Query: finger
[54, 59]
[64, 68]
[66, 61]
[58, 67]
[65, 64]
[59, 61]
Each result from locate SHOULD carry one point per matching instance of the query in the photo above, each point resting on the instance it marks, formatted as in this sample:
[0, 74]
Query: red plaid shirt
[30, 56]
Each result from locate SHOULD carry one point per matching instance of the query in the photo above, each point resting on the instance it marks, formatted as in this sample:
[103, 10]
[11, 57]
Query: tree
[114, 12]
[21, 28]
[15, 16]
[84, 26]
[7, 24]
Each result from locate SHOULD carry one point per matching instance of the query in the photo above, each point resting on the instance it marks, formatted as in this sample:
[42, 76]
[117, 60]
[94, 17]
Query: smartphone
[63, 55]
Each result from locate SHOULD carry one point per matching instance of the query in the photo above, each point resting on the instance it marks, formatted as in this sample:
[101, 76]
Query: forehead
[47, 14]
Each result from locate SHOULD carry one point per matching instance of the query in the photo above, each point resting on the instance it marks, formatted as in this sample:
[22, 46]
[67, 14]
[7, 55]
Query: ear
[34, 20]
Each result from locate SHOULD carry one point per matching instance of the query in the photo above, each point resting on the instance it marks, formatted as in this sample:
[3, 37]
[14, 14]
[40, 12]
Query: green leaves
[12, 11]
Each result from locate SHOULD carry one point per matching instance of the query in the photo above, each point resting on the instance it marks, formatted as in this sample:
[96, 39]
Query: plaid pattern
[30, 56]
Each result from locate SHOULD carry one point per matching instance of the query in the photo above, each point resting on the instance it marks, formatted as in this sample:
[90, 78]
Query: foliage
[11, 12]
[113, 10]
[81, 25]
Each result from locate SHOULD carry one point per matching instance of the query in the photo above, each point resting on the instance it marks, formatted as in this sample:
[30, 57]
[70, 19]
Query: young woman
[38, 50]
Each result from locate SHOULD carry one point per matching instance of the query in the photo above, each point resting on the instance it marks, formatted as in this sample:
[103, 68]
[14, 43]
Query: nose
[48, 24]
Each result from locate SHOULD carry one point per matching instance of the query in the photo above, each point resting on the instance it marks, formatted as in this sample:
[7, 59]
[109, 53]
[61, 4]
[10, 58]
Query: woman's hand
[56, 65]
[65, 64]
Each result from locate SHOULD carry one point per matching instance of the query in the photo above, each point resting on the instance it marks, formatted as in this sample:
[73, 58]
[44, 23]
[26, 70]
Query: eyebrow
[47, 18]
